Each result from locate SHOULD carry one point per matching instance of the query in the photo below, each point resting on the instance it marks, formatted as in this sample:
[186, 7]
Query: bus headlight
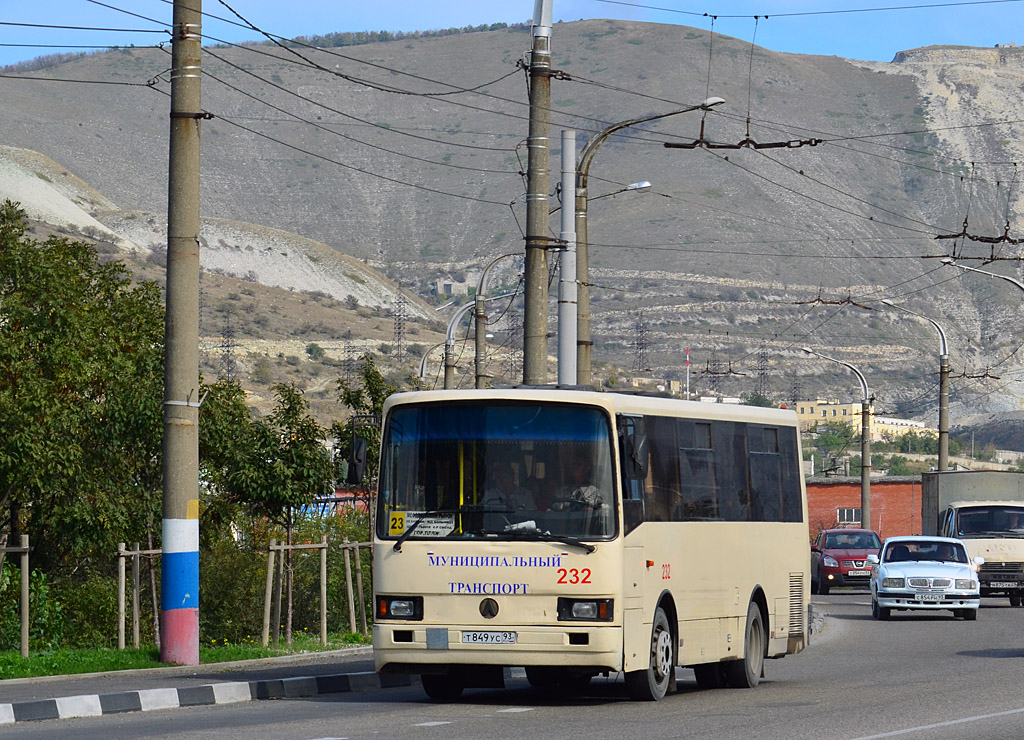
[399, 607]
[585, 610]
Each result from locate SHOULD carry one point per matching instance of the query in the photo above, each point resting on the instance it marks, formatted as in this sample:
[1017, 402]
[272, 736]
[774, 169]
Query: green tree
[365, 398]
[81, 373]
[754, 398]
[271, 464]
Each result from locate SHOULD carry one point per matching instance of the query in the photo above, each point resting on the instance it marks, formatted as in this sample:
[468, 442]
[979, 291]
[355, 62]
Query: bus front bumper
[409, 645]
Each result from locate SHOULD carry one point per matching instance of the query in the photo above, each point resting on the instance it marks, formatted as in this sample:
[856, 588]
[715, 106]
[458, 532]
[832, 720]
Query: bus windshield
[499, 470]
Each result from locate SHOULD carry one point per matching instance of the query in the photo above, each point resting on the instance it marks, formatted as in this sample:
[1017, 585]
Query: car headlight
[893, 582]
[830, 561]
[966, 583]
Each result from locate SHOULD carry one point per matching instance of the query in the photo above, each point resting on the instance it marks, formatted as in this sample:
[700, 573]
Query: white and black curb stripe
[147, 700]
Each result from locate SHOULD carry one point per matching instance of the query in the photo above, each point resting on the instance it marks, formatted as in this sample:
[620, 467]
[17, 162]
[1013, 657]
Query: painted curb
[148, 700]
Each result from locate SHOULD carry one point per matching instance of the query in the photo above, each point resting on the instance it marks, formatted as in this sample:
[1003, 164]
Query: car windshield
[919, 550]
[496, 470]
[986, 521]
[852, 541]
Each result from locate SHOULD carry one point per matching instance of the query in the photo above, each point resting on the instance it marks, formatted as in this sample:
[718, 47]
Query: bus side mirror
[356, 462]
[636, 456]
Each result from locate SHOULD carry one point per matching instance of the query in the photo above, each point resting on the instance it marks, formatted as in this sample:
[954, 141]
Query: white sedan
[926, 573]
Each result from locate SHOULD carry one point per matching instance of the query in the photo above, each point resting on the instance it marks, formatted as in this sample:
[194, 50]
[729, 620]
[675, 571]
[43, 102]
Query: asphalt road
[917, 677]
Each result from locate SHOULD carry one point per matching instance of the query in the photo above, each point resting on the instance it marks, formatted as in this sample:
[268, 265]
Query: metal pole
[584, 342]
[535, 314]
[567, 279]
[865, 463]
[179, 623]
[865, 435]
[944, 412]
[481, 321]
[24, 596]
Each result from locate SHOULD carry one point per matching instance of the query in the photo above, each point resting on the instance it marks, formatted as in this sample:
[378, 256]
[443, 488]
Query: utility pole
[535, 319]
[179, 608]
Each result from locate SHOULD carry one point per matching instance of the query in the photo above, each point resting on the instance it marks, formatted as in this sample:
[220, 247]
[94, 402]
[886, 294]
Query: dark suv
[839, 558]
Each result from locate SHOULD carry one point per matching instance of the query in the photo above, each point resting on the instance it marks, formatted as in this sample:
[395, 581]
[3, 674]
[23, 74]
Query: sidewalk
[311, 674]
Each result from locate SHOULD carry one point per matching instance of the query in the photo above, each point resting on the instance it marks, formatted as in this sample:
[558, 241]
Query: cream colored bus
[577, 534]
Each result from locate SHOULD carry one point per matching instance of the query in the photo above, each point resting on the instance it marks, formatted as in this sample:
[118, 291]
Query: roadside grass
[101, 660]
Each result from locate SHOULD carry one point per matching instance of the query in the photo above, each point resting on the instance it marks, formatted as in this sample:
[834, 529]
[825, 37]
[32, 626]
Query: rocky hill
[745, 255]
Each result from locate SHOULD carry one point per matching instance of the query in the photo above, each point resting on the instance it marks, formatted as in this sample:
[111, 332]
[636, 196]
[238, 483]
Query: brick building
[895, 504]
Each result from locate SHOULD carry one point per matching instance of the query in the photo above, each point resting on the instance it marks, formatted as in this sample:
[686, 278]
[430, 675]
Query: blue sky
[875, 35]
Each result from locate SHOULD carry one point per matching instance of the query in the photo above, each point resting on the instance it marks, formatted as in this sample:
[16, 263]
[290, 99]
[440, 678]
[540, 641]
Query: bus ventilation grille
[796, 603]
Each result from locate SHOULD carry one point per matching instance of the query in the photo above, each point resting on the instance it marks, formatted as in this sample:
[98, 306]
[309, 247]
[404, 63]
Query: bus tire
[746, 673]
[445, 687]
[651, 684]
[710, 676]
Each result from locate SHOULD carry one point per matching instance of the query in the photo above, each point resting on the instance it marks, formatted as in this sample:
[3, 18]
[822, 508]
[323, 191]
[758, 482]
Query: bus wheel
[746, 673]
[709, 676]
[652, 683]
[442, 687]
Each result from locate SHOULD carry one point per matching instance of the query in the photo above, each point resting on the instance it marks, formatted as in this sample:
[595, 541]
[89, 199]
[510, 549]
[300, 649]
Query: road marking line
[517, 709]
[431, 724]
[950, 723]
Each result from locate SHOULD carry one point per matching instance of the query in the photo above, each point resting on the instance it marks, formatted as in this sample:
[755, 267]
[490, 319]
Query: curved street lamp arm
[943, 345]
[860, 376]
[587, 153]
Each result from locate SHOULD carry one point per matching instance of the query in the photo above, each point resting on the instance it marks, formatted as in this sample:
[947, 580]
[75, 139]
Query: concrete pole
[535, 313]
[567, 284]
[179, 608]
[944, 412]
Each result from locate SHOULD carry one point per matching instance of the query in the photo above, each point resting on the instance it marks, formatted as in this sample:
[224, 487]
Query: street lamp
[952, 262]
[943, 383]
[449, 339]
[865, 439]
[480, 314]
[583, 341]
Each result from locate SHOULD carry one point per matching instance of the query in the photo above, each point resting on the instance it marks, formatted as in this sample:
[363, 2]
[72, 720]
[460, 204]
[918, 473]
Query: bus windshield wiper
[525, 531]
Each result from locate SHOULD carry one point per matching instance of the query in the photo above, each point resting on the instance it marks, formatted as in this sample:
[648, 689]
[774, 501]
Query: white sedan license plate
[490, 638]
[1003, 584]
[859, 573]
[929, 597]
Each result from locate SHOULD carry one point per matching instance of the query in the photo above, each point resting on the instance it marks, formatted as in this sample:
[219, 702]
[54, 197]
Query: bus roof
[627, 403]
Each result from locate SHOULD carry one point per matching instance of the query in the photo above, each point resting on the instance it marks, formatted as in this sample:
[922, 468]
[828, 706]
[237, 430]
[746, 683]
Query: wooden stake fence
[135, 553]
[23, 550]
[349, 549]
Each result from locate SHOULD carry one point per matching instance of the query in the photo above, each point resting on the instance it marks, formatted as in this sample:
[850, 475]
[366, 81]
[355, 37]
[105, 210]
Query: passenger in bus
[580, 487]
[504, 492]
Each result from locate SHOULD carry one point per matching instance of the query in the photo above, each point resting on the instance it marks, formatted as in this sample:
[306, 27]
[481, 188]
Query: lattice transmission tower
[640, 344]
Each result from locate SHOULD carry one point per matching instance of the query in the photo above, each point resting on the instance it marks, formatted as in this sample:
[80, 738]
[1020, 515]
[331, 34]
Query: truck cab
[993, 530]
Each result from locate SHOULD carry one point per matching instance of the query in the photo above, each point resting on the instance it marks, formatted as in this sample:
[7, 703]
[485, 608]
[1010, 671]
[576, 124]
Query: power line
[796, 14]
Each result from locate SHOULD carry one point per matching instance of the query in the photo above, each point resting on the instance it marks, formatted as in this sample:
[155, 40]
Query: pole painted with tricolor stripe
[179, 605]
